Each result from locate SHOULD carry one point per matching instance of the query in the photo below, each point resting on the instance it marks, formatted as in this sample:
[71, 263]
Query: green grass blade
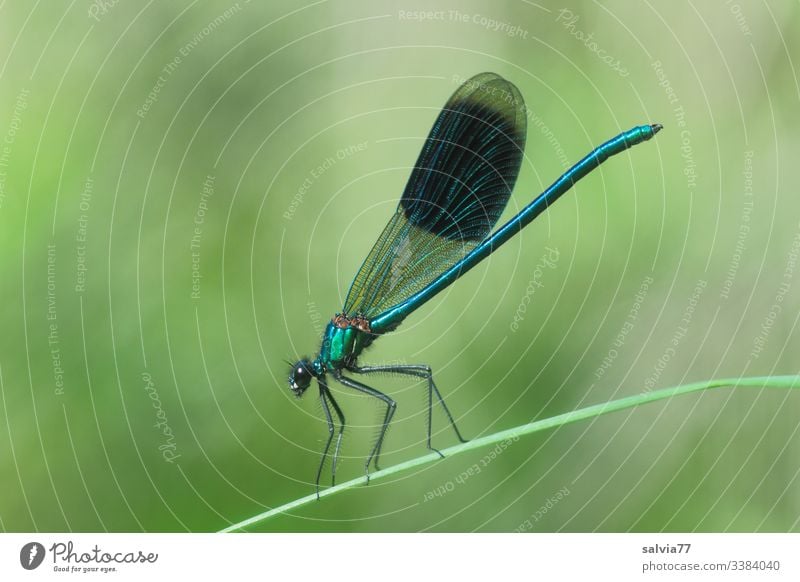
[786, 382]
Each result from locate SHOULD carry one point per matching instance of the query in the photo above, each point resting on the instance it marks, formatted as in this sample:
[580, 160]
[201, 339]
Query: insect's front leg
[340, 415]
[325, 396]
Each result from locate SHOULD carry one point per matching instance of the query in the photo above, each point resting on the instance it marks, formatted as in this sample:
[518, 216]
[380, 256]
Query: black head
[300, 376]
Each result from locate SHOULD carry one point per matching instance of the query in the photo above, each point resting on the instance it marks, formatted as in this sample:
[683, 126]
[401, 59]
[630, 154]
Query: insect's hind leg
[391, 406]
[418, 371]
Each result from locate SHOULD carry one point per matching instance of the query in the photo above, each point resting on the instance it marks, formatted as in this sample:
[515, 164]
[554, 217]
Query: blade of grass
[787, 382]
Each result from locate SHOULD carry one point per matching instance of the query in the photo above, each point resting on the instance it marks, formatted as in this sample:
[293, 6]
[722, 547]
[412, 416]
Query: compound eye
[300, 377]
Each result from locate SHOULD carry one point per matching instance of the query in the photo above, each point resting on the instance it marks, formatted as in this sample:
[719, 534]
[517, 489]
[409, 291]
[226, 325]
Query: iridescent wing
[456, 193]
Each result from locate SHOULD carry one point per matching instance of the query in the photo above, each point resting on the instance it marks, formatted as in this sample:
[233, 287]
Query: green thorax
[344, 339]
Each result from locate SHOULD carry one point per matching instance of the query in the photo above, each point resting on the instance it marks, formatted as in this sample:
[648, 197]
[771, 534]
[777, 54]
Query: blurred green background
[187, 189]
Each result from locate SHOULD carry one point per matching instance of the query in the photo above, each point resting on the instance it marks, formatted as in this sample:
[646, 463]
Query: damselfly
[442, 227]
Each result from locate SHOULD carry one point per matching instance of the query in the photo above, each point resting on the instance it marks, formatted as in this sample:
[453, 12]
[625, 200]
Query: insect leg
[323, 390]
[327, 394]
[418, 371]
[391, 405]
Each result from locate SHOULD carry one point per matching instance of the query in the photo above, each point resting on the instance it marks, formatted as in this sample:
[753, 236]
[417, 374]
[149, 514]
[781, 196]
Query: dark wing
[456, 193]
